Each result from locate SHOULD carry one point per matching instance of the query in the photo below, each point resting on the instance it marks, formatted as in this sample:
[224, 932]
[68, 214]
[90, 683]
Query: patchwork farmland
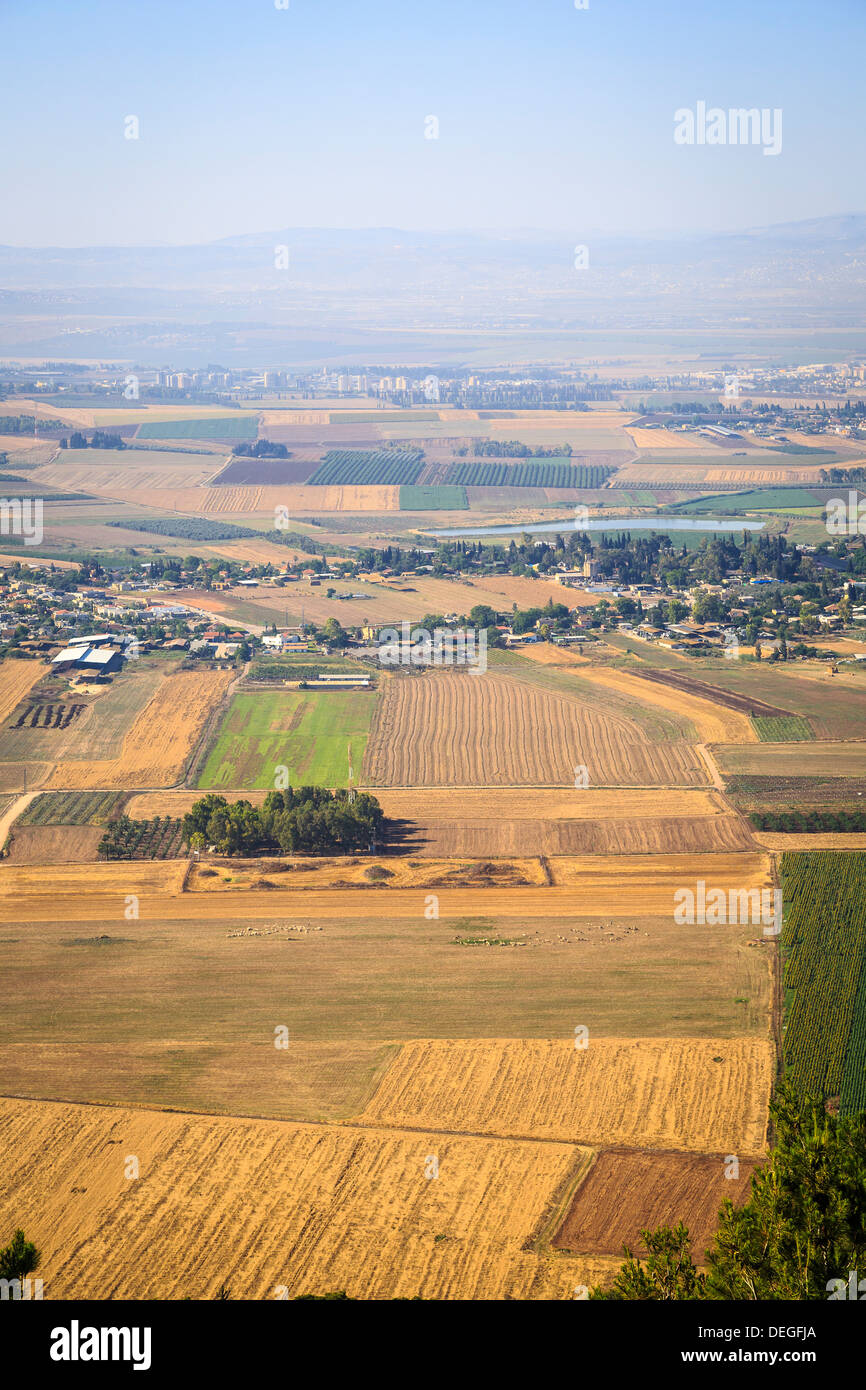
[156, 748]
[437, 990]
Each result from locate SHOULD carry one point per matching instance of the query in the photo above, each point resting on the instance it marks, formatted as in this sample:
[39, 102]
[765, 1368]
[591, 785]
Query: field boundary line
[198, 755]
[352, 1125]
[712, 766]
[538, 1242]
[583, 1145]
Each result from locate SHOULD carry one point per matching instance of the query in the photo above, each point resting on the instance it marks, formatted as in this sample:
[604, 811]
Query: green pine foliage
[302, 820]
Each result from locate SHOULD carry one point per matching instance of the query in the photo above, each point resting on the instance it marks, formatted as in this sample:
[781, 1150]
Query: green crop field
[303, 666]
[824, 948]
[189, 528]
[779, 499]
[308, 732]
[791, 728]
[373, 467]
[433, 499]
[217, 427]
[809, 451]
[531, 473]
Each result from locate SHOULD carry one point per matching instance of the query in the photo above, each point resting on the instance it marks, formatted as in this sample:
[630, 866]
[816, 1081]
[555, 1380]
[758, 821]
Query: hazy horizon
[319, 116]
[515, 233]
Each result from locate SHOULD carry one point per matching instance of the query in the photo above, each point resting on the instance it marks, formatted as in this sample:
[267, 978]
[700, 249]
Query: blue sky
[254, 118]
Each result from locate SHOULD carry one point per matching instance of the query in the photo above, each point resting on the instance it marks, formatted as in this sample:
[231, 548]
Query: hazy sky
[254, 118]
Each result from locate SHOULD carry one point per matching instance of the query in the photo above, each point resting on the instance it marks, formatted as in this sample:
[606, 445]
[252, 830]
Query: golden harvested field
[294, 417]
[17, 677]
[113, 476]
[568, 848]
[52, 412]
[818, 759]
[54, 844]
[181, 487]
[779, 843]
[179, 1010]
[450, 728]
[535, 593]
[548, 655]
[7, 560]
[263, 1207]
[627, 1191]
[411, 598]
[635, 1092]
[446, 823]
[661, 472]
[15, 443]
[624, 886]
[512, 821]
[669, 439]
[713, 723]
[262, 552]
[177, 802]
[111, 881]
[506, 804]
[632, 874]
[163, 736]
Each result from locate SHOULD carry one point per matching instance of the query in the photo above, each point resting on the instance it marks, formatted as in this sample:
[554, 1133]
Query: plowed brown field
[453, 729]
[645, 1093]
[164, 734]
[275, 1209]
[627, 1191]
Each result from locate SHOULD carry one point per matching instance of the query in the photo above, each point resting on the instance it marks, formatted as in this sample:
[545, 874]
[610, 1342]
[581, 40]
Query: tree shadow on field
[404, 837]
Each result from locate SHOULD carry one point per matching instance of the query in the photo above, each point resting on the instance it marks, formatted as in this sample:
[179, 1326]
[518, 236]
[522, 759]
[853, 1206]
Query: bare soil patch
[627, 1191]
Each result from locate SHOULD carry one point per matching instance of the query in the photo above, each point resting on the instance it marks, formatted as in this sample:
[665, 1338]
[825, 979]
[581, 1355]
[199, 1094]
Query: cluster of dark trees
[524, 619]
[843, 475]
[513, 449]
[299, 820]
[261, 449]
[98, 440]
[17, 424]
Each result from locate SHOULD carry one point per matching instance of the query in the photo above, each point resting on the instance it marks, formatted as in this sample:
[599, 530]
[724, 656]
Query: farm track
[198, 755]
[11, 814]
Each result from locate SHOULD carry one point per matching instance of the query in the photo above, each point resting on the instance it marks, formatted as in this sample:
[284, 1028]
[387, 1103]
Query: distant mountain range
[314, 288]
